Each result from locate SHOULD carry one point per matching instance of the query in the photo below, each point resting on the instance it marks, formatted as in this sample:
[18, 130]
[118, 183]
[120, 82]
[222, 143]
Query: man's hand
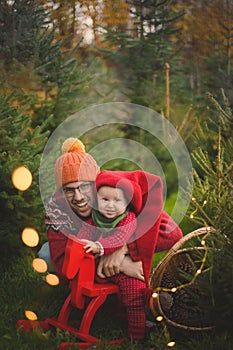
[109, 265]
[112, 264]
[132, 268]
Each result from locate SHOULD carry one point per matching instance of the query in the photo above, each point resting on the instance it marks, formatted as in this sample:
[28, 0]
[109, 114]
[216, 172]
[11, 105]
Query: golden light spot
[171, 344]
[21, 178]
[52, 279]
[30, 315]
[30, 237]
[159, 318]
[174, 289]
[39, 265]
[154, 295]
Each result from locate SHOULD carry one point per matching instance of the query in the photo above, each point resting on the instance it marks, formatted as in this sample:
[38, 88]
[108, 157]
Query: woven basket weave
[185, 308]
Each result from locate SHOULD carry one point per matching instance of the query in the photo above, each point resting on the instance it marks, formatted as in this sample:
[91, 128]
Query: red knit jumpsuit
[132, 290]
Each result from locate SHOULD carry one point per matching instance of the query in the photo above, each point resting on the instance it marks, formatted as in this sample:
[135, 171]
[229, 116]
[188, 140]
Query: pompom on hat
[116, 179]
[74, 164]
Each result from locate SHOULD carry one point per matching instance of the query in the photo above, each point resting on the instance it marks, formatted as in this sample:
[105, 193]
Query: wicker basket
[186, 308]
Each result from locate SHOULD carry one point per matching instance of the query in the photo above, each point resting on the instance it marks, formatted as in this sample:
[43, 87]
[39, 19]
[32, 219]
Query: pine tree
[21, 20]
[212, 206]
[62, 78]
[38, 65]
[200, 280]
[141, 50]
[20, 144]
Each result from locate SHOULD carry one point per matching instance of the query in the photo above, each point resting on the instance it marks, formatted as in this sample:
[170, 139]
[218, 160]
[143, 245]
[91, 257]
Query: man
[75, 174]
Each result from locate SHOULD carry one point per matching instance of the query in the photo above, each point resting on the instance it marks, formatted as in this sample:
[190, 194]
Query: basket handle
[181, 242]
[200, 231]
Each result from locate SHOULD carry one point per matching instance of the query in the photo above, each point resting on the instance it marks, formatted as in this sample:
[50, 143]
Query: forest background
[56, 58]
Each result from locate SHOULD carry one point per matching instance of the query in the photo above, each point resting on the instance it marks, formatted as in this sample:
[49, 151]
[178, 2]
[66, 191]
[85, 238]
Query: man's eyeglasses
[83, 188]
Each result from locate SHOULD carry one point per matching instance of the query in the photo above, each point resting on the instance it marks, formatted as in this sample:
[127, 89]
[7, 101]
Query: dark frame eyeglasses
[82, 188]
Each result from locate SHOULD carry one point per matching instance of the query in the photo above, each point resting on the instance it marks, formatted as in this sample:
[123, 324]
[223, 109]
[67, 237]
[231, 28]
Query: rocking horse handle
[74, 254]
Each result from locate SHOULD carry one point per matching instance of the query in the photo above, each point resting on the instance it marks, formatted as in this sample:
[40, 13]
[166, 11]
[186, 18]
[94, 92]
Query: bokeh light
[159, 318]
[21, 178]
[30, 237]
[171, 344]
[39, 265]
[52, 279]
[30, 315]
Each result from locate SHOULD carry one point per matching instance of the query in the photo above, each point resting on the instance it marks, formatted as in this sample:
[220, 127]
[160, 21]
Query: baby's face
[111, 201]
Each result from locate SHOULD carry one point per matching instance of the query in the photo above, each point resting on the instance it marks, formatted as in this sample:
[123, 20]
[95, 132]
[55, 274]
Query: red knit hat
[74, 164]
[132, 190]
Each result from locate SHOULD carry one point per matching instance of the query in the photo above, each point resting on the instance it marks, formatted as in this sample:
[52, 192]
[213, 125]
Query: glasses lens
[69, 191]
[83, 188]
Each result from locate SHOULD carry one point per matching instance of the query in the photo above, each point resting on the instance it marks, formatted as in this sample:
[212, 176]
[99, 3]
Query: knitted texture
[74, 164]
[113, 239]
[133, 298]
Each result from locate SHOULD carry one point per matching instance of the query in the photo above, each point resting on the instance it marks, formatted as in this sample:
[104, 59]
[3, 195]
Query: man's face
[80, 196]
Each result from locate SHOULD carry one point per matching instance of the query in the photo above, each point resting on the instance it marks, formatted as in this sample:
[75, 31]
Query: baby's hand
[90, 247]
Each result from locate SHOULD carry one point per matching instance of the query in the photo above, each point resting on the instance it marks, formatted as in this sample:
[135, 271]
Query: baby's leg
[132, 295]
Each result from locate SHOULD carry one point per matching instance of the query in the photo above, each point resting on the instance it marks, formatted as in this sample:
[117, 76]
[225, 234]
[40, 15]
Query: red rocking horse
[86, 294]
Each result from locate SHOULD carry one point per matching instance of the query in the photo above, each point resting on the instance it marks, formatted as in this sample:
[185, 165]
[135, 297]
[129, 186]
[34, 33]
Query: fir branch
[222, 113]
[202, 159]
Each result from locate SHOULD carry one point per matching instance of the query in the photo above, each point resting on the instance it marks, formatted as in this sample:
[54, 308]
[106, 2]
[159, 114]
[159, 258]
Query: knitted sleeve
[57, 244]
[133, 251]
[120, 235]
[169, 233]
[59, 225]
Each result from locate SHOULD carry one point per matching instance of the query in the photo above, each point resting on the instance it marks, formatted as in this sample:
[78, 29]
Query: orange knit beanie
[74, 164]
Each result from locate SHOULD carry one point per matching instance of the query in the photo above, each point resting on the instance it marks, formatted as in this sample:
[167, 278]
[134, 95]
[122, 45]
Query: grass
[22, 288]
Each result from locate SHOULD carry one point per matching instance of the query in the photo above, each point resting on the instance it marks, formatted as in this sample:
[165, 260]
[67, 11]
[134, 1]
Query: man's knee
[44, 253]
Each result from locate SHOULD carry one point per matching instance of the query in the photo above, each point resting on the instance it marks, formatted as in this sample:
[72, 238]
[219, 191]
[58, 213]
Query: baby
[113, 225]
